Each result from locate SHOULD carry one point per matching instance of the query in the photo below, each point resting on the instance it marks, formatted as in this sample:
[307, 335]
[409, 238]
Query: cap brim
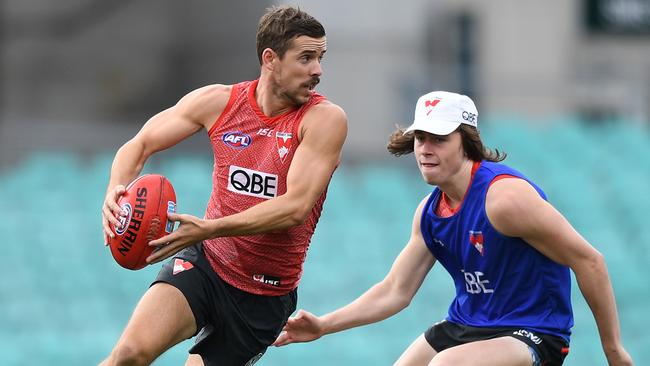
[438, 127]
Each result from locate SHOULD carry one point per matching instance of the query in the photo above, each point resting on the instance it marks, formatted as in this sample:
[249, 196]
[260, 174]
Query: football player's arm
[381, 301]
[167, 128]
[516, 209]
[323, 132]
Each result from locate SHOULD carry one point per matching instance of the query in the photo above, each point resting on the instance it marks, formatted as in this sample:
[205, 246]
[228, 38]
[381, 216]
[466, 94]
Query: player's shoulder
[214, 93]
[515, 208]
[205, 103]
[510, 198]
[327, 120]
[326, 112]
[328, 107]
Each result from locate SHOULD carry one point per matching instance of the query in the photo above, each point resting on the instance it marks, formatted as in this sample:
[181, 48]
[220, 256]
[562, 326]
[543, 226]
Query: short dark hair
[400, 144]
[281, 24]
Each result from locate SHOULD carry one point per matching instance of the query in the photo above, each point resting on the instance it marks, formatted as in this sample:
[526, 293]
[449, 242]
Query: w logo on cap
[431, 103]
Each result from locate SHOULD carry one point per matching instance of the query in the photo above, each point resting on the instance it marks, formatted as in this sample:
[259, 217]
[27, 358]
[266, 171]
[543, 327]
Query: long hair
[280, 25]
[400, 144]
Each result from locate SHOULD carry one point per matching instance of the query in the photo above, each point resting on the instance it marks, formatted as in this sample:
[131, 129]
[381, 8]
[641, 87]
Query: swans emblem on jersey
[284, 144]
[476, 239]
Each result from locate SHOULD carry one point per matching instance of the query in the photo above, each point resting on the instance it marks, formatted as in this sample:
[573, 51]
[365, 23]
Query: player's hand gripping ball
[146, 201]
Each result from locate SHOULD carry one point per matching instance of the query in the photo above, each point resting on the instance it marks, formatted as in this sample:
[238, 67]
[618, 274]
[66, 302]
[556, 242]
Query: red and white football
[147, 201]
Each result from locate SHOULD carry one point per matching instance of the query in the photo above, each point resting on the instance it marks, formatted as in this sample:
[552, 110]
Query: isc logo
[237, 140]
[269, 280]
[252, 183]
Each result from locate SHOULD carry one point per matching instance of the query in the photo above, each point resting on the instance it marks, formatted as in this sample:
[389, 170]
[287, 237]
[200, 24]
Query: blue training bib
[500, 281]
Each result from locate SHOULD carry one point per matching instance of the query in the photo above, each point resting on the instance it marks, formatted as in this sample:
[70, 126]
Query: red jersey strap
[499, 177]
[231, 100]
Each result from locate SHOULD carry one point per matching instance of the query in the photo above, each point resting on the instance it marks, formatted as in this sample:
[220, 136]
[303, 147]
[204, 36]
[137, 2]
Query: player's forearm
[378, 303]
[278, 214]
[127, 164]
[595, 285]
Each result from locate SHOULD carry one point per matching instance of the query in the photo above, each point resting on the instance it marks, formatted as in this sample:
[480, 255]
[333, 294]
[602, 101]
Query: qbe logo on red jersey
[252, 182]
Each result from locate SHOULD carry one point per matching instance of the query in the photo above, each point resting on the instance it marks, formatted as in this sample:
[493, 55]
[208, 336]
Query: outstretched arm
[322, 135]
[194, 111]
[516, 209]
[381, 301]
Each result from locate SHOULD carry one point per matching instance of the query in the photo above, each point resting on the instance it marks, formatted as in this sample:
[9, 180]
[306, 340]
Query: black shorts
[233, 327]
[549, 348]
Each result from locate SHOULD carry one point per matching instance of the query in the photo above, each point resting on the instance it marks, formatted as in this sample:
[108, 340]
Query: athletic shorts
[549, 350]
[233, 327]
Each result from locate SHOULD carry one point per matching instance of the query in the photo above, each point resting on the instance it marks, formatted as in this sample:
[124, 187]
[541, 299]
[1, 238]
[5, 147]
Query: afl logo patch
[237, 140]
[124, 220]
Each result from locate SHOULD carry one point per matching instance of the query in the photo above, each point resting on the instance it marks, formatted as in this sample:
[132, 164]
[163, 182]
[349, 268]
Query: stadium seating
[64, 301]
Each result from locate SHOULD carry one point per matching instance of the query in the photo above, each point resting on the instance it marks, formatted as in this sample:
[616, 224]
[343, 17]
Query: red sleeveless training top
[252, 154]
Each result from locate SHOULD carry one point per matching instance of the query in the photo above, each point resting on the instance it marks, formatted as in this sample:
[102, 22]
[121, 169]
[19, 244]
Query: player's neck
[268, 102]
[455, 188]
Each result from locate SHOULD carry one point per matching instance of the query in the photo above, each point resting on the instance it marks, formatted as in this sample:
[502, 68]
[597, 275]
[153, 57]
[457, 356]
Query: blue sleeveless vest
[500, 281]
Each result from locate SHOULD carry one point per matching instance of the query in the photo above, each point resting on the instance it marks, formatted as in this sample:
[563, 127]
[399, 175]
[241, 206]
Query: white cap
[441, 112]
